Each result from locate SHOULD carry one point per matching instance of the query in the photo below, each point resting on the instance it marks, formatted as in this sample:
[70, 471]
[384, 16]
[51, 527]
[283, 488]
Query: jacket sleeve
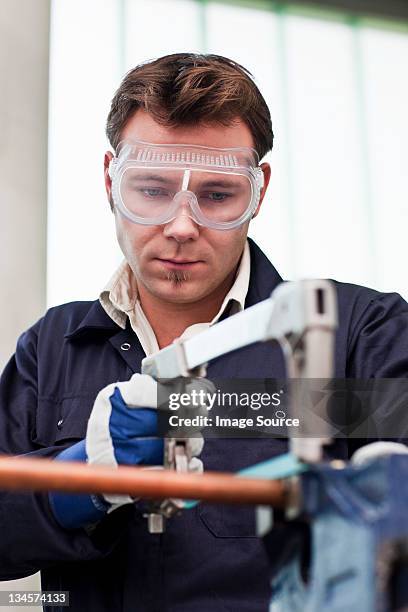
[378, 353]
[31, 539]
[378, 346]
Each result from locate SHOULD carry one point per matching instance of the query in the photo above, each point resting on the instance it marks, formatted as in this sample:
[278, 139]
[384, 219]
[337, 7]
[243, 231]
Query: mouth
[179, 264]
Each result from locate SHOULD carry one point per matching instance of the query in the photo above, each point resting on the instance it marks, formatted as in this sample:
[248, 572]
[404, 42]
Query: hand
[375, 450]
[122, 428]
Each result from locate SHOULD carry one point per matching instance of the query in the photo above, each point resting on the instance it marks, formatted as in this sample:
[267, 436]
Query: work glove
[122, 430]
[375, 450]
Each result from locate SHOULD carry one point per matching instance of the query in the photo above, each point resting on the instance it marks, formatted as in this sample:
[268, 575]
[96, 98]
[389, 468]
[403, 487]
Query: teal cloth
[282, 466]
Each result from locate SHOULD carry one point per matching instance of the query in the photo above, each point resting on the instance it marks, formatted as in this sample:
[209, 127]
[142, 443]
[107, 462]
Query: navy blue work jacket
[209, 558]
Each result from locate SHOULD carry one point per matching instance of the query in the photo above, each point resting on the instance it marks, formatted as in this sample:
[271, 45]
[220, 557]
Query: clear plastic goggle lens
[151, 193]
[219, 188]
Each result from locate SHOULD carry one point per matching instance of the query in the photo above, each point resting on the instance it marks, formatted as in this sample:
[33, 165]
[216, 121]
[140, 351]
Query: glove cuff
[75, 510]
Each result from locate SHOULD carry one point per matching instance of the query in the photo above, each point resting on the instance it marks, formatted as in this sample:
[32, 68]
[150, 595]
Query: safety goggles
[217, 188]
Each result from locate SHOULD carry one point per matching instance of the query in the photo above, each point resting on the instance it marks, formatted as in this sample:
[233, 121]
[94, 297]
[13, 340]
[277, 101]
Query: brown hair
[189, 88]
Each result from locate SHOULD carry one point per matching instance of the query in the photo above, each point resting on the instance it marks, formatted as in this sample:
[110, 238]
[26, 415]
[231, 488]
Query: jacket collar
[96, 320]
[263, 280]
[264, 276]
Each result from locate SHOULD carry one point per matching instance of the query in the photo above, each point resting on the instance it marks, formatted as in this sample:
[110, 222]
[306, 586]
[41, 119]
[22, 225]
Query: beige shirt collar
[119, 298]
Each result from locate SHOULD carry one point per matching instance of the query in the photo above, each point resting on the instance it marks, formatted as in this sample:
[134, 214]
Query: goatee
[177, 276]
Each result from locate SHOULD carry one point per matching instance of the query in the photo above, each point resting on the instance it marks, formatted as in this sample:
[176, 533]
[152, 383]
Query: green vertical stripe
[289, 170]
[361, 106]
[121, 26]
[203, 27]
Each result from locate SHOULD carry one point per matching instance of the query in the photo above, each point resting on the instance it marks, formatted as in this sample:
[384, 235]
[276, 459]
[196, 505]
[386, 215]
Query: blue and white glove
[122, 430]
[375, 450]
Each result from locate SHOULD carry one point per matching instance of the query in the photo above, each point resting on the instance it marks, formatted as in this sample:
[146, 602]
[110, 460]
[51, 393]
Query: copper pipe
[40, 474]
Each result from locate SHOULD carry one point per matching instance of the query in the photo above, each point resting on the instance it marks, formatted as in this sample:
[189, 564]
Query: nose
[182, 228]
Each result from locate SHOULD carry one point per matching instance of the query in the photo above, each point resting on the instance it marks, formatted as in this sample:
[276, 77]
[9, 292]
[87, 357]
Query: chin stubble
[177, 276]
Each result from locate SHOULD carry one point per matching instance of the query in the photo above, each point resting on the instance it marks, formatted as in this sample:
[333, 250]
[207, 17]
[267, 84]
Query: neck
[170, 319]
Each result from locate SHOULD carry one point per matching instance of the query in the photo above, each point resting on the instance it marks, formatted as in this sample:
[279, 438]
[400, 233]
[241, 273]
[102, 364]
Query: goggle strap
[260, 178]
[111, 168]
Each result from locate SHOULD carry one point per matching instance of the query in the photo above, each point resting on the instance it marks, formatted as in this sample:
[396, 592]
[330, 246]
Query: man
[72, 390]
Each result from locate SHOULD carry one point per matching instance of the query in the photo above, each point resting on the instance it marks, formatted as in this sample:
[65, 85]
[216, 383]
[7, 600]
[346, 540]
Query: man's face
[181, 261]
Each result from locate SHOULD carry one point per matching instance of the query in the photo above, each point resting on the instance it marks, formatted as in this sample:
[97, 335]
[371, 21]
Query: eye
[153, 192]
[216, 196]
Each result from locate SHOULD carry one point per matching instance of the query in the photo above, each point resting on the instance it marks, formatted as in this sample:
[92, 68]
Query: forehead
[142, 126]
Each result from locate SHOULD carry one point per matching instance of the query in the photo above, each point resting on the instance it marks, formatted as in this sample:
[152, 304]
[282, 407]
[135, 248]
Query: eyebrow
[152, 177]
[219, 184]
[215, 184]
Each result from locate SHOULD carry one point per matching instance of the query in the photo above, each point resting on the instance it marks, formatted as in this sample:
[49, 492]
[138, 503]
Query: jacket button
[125, 346]
[59, 424]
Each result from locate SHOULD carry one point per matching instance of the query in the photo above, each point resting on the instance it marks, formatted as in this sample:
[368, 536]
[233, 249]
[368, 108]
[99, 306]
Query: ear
[108, 181]
[266, 169]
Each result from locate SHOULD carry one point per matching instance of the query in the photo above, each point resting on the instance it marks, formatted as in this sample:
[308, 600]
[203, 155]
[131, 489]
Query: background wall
[24, 33]
[24, 49]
